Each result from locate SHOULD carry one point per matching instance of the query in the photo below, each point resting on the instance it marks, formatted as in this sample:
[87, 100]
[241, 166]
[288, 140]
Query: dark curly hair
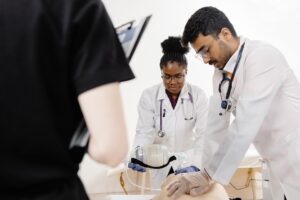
[173, 52]
[207, 21]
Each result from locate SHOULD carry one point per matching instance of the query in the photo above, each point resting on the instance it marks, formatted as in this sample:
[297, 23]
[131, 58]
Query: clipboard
[130, 34]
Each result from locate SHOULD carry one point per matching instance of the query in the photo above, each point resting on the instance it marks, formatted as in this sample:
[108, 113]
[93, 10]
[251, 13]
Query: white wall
[275, 21]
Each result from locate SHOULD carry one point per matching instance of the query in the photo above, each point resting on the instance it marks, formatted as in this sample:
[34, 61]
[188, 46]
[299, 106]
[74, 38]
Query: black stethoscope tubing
[225, 102]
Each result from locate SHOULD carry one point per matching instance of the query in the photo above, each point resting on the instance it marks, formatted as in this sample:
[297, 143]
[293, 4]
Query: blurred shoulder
[196, 90]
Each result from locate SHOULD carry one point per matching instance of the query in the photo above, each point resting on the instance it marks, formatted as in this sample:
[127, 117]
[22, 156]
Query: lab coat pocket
[189, 125]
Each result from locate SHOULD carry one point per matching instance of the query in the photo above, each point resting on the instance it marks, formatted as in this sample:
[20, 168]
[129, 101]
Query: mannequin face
[173, 75]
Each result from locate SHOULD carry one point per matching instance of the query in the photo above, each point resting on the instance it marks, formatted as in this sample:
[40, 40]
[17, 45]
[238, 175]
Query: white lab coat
[181, 135]
[266, 105]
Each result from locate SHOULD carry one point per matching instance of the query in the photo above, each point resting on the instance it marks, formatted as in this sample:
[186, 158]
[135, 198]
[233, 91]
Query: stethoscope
[226, 103]
[162, 113]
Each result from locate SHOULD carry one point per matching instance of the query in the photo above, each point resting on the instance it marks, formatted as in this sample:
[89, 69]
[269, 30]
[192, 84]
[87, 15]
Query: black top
[50, 52]
[172, 100]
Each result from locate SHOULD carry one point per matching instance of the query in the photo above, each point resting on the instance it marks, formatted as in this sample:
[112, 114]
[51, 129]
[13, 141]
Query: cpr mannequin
[217, 192]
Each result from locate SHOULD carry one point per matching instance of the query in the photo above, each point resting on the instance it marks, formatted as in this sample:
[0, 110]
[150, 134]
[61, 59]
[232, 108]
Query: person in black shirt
[60, 60]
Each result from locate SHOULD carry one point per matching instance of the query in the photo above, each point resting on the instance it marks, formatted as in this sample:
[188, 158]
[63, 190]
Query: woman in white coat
[174, 112]
[253, 81]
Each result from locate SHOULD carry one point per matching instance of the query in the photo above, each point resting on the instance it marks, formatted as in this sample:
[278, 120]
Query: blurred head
[173, 64]
[211, 35]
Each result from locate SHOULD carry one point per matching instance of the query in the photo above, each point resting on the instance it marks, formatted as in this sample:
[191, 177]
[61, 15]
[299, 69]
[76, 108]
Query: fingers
[199, 190]
[172, 187]
[176, 189]
[167, 180]
[178, 193]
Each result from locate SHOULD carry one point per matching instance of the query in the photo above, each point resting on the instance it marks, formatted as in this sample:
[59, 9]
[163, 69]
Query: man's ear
[226, 33]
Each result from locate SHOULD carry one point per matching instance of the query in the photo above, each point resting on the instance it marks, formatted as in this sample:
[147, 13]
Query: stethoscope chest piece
[161, 133]
[226, 105]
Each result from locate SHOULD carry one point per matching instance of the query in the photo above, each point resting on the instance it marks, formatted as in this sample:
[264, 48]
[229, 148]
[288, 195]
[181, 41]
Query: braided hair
[173, 52]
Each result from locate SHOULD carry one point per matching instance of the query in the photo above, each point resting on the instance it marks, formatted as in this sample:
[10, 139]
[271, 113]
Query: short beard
[225, 52]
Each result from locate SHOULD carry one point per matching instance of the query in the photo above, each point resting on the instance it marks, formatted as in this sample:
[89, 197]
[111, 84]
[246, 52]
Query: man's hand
[194, 184]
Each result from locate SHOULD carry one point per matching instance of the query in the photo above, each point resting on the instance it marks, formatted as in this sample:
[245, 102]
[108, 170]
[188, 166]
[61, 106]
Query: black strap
[136, 161]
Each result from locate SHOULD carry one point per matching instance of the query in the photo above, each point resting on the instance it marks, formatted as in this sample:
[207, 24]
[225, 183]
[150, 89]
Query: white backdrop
[274, 21]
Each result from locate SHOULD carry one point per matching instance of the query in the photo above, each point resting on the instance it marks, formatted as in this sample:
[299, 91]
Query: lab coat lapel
[163, 96]
[238, 79]
[184, 96]
[229, 67]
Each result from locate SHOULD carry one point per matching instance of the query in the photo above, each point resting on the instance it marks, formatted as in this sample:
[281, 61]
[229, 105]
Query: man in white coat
[253, 81]
[172, 113]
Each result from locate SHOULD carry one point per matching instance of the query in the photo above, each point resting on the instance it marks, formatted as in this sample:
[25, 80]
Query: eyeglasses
[202, 53]
[177, 77]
